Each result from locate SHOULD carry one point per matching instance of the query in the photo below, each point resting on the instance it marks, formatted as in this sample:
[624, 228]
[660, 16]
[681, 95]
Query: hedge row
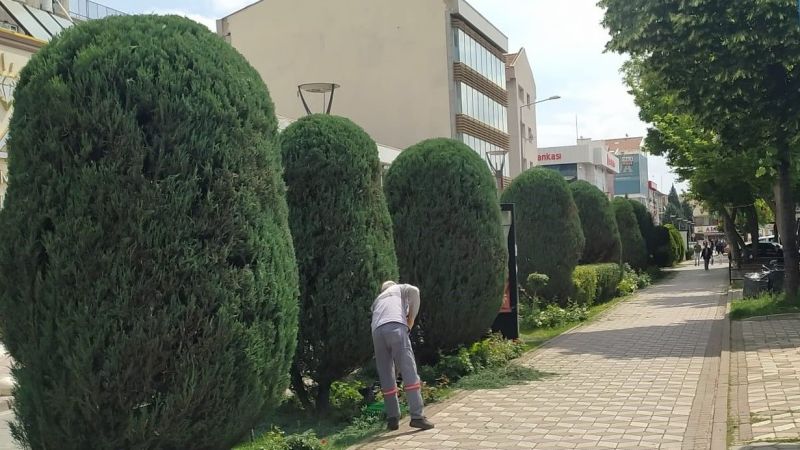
[596, 283]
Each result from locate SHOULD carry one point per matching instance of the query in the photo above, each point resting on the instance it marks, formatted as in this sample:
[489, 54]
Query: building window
[482, 108]
[528, 99]
[521, 94]
[480, 59]
[530, 134]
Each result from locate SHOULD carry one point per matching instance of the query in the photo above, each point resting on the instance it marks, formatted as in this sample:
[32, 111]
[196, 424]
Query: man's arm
[412, 297]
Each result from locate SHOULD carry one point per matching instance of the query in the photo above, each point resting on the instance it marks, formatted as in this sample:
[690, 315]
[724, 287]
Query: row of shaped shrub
[160, 239]
[561, 224]
[596, 283]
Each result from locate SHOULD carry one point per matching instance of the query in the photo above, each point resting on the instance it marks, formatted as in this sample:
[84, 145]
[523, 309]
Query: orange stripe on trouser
[389, 391]
[413, 387]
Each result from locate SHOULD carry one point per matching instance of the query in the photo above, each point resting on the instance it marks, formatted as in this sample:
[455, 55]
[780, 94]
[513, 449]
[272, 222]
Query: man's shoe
[393, 423]
[422, 424]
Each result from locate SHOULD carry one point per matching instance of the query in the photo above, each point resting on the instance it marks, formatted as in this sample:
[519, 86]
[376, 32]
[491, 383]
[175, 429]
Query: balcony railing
[89, 10]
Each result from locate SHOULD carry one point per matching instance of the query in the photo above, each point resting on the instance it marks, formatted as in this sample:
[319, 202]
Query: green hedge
[596, 283]
[148, 285]
[663, 251]
[677, 248]
[634, 249]
[646, 225]
[450, 242]
[549, 235]
[598, 223]
[343, 243]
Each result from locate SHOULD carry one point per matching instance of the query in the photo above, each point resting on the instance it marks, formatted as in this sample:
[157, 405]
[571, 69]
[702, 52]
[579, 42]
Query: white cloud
[209, 22]
[225, 7]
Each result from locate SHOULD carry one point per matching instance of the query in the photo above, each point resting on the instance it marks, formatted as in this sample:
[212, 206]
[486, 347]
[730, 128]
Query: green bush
[449, 240]
[598, 222]
[586, 286]
[646, 225]
[148, 284]
[455, 366]
[556, 316]
[306, 441]
[677, 247]
[596, 283]
[343, 244]
[668, 244]
[549, 235]
[629, 282]
[494, 351]
[634, 250]
[346, 399]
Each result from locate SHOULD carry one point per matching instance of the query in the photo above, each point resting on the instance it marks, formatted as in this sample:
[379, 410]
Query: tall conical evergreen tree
[598, 223]
[550, 239]
[148, 284]
[634, 248]
[344, 245]
[449, 239]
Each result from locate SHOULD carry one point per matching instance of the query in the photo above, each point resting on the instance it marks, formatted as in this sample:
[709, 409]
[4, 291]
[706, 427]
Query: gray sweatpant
[393, 348]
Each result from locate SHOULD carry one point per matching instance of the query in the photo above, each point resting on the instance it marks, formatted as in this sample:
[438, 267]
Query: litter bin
[755, 284]
[776, 280]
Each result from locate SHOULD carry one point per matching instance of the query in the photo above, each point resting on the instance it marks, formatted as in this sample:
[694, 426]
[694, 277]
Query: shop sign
[610, 161]
[550, 157]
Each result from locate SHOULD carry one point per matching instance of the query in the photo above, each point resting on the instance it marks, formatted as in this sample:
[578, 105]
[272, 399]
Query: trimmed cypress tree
[148, 285]
[549, 235]
[634, 251]
[450, 241]
[663, 255]
[343, 243]
[646, 226]
[598, 223]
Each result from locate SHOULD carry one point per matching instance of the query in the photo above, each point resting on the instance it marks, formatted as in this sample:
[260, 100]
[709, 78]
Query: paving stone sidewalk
[643, 376]
[767, 386]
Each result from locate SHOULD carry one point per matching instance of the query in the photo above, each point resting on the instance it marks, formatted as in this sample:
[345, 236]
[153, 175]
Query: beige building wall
[521, 88]
[391, 59]
[15, 51]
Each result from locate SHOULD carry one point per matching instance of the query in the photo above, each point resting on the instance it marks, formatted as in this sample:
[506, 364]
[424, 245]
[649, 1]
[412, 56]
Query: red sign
[550, 157]
[506, 307]
[610, 161]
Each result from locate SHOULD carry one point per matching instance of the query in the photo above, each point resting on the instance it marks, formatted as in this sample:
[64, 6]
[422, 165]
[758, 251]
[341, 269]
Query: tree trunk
[752, 227]
[736, 242]
[323, 398]
[299, 388]
[786, 221]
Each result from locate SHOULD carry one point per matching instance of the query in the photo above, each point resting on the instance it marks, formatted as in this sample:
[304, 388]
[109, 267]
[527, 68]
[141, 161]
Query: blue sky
[565, 42]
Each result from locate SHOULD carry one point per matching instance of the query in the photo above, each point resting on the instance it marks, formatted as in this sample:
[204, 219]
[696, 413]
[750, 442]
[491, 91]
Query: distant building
[521, 119]
[588, 160]
[632, 179]
[656, 202]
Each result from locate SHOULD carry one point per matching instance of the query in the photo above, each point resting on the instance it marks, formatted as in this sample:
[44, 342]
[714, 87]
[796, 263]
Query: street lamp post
[521, 132]
[498, 170]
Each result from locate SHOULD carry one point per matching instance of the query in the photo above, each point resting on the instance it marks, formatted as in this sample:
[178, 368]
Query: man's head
[387, 284]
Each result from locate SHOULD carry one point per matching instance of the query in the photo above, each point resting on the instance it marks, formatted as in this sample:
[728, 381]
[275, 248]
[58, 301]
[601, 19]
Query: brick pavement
[627, 380]
[768, 383]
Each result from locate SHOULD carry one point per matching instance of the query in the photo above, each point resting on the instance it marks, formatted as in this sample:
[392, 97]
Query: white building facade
[588, 160]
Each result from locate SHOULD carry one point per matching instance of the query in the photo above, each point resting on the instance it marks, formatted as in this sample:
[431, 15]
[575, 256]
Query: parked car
[765, 250]
[770, 238]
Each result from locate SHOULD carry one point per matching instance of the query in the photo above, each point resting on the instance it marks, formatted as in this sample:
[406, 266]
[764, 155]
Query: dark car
[765, 250]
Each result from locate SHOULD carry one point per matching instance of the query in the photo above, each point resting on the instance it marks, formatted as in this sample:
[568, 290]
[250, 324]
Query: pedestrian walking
[697, 251]
[393, 315]
[708, 254]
